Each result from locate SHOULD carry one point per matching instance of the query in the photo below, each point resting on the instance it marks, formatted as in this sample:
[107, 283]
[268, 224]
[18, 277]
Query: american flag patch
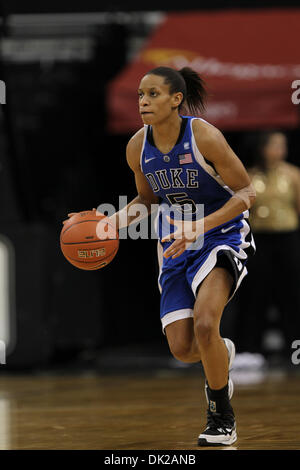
[185, 158]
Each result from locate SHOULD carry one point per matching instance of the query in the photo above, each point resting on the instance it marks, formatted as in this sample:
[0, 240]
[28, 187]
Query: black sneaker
[220, 430]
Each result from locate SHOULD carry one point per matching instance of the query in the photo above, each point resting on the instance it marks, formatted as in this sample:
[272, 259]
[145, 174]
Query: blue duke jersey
[185, 180]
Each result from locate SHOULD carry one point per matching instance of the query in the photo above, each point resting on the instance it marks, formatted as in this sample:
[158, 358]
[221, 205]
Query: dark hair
[186, 81]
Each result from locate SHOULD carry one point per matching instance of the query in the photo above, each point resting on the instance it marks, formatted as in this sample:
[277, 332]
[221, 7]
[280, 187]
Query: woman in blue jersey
[185, 163]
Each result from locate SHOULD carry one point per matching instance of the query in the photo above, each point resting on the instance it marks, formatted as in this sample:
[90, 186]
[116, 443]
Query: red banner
[248, 59]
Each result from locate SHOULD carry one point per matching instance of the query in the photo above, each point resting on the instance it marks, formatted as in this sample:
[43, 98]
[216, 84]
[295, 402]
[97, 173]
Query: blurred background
[71, 71]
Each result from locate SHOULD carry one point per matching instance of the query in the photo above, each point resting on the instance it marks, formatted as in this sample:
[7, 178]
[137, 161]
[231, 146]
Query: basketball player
[185, 162]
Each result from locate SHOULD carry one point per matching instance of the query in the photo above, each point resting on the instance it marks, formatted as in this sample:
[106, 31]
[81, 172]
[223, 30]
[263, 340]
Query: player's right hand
[74, 213]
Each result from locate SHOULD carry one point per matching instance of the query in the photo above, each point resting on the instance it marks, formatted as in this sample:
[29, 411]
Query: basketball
[89, 240]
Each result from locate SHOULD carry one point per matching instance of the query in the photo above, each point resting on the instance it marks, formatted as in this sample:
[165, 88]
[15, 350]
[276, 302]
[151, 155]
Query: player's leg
[177, 303]
[176, 313]
[211, 299]
[182, 341]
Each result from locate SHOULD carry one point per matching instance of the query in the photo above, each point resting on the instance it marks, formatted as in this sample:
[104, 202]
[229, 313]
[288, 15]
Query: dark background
[57, 157]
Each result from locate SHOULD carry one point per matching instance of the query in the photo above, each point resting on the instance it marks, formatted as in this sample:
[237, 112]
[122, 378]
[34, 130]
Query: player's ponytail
[195, 90]
[189, 83]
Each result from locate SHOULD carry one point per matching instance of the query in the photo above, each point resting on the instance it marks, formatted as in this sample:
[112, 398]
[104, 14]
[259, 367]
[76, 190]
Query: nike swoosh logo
[149, 159]
[224, 230]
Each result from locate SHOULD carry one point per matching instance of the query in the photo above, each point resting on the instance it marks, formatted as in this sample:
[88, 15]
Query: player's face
[155, 102]
[276, 148]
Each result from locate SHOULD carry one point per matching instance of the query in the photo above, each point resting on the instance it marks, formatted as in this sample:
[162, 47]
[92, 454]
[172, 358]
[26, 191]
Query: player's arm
[214, 147]
[141, 206]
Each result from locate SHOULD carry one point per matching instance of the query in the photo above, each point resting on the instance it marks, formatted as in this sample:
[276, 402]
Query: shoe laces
[218, 421]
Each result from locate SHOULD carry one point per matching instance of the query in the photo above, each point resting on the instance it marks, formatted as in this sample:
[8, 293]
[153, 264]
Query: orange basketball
[89, 240]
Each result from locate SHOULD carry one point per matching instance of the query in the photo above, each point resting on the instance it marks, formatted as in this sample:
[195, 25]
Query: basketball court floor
[162, 409]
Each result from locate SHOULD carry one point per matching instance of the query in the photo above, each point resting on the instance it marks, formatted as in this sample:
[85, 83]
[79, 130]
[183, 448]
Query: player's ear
[177, 99]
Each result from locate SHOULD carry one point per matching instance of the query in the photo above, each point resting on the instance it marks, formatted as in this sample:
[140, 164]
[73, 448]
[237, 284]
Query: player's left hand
[185, 234]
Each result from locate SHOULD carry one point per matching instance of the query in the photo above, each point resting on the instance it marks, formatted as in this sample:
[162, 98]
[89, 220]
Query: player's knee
[181, 351]
[205, 328]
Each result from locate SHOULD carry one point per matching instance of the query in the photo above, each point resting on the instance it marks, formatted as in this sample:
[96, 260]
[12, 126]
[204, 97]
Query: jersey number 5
[184, 203]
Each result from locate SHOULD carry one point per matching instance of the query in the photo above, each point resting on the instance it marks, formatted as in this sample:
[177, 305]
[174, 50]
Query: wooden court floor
[162, 410]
